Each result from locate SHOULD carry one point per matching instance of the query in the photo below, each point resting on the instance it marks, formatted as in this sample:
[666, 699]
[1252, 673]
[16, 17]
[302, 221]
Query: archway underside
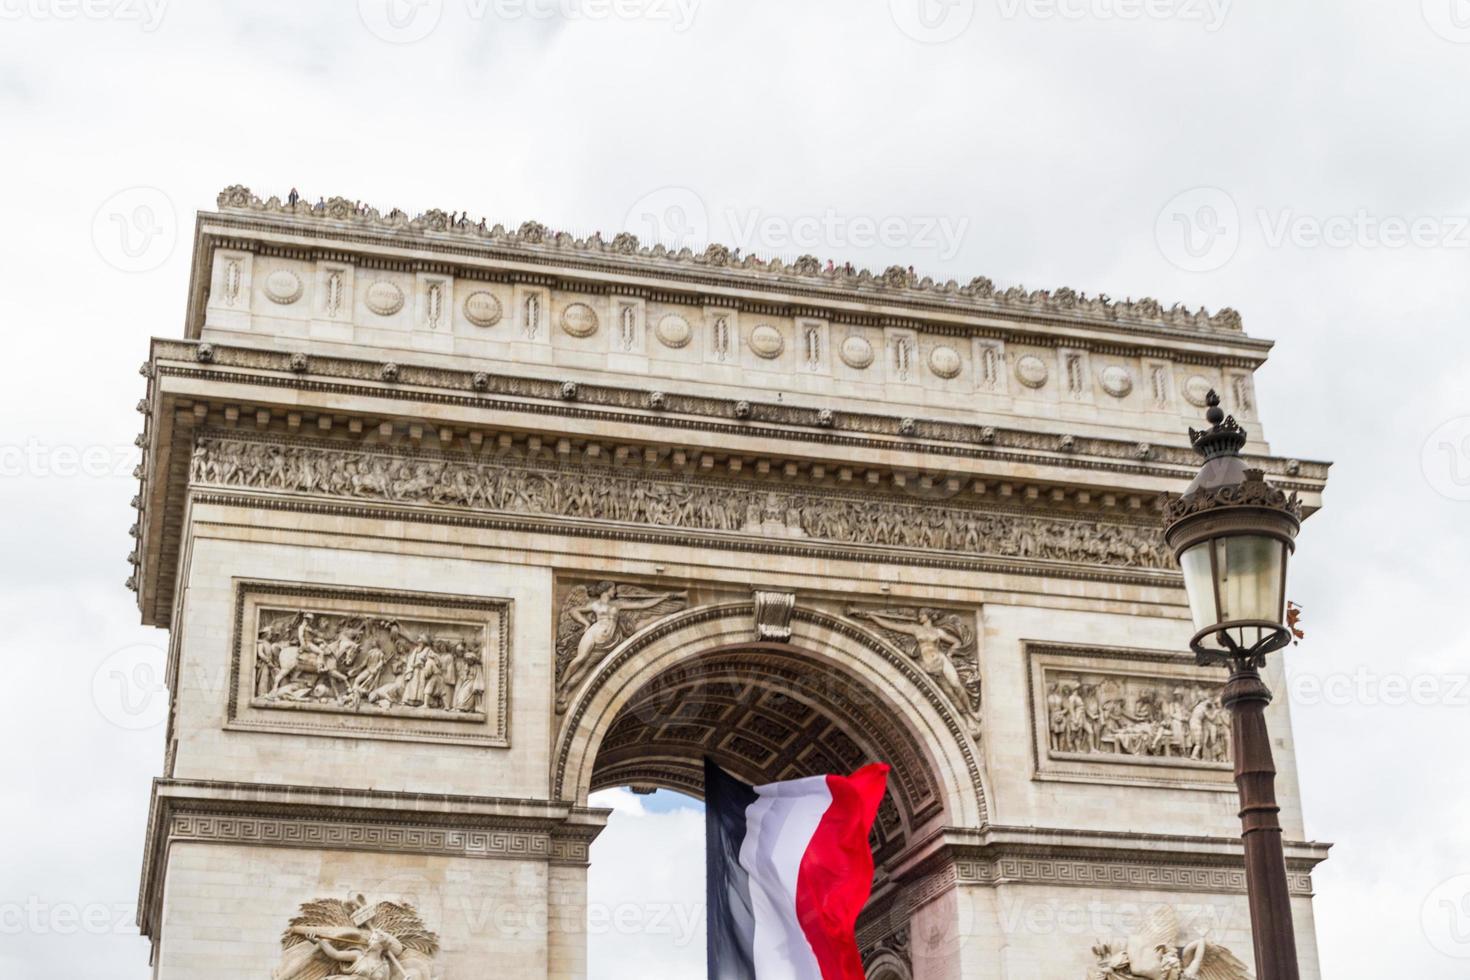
[765, 716]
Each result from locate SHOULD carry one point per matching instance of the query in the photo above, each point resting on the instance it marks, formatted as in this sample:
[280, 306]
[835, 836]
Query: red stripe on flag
[836, 874]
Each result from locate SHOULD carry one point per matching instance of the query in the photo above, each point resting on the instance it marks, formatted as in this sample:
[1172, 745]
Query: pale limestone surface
[360, 348]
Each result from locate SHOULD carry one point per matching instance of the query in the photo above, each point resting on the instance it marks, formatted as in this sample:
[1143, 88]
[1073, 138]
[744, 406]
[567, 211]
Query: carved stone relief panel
[594, 618]
[334, 282]
[945, 645]
[232, 283]
[990, 366]
[1161, 948]
[352, 937]
[354, 662]
[721, 335]
[689, 503]
[1124, 716]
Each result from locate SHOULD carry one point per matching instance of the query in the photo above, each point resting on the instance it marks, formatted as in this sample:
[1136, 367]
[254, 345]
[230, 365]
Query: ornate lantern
[1233, 534]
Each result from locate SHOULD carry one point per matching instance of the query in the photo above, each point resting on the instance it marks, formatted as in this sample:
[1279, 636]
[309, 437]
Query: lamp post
[1233, 534]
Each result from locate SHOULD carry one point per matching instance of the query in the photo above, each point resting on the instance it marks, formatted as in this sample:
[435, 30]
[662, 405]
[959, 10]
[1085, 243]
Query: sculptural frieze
[1105, 714]
[980, 293]
[360, 664]
[503, 484]
[944, 645]
[1158, 951]
[342, 939]
[595, 618]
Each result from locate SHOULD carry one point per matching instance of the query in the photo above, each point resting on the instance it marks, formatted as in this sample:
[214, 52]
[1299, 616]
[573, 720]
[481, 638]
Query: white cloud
[1058, 139]
[646, 918]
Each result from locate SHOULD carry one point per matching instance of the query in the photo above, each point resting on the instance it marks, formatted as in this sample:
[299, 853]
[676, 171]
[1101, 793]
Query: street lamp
[1233, 534]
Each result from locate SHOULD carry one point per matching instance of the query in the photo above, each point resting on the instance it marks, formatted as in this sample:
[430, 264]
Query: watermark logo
[136, 230]
[128, 688]
[1199, 230]
[44, 460]
[1446, 459]
[1450, 19]
[673, 216]
[400, 21]
[756, 230]
[1362, 229]
[1445, 917]
[677, 13]
[1210, 13]
[933, 21]
[148, 14]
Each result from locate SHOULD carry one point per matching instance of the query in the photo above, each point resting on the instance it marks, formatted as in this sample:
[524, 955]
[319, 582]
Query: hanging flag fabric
[788, 868]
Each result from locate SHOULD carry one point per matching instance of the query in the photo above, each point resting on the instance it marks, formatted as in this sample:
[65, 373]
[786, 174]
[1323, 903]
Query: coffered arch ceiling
[765, 715]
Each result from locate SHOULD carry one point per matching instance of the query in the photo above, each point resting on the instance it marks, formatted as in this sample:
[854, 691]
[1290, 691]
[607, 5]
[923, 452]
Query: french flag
[787, 870]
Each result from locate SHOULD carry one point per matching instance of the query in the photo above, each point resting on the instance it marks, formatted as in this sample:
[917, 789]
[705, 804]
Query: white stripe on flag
[778, 828]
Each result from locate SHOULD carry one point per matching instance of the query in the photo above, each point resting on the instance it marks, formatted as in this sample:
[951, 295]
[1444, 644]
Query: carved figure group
[1121, 716]
[1155, 952]
[603, 495]
[335, 939]
[943, 644]
[595, 619]
[359, 663]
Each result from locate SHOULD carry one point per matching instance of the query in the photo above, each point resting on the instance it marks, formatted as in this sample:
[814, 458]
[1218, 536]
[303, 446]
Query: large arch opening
[830, 699]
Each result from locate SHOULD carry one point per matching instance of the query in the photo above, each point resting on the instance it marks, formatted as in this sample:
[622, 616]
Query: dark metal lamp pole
[1233, 534]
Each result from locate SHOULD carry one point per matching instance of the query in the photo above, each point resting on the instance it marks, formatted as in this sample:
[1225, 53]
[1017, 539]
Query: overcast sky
[1305, 162]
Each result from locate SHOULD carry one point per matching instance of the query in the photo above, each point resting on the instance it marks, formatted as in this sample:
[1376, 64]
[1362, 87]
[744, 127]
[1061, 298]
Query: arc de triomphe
[452, 525]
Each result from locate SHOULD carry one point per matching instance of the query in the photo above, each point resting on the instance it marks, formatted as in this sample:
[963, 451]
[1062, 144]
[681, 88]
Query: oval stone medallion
[482, 309]
[767, 341]
[673, 331]
[384, 298]
[945, 362]
[1031, 371]
[579, 320]
[1116, 381]
[283, 286]
[856, 352]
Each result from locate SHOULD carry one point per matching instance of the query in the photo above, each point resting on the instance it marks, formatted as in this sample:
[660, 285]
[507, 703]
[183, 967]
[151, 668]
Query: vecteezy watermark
[407, 21]
[1362, 229]
[1450, 19]
[1445, 917]
[148, 14]
[755, 230]
[1369, 688]
[135, 230]
[932, 21]
[1210, 13]
[1446, 459]
[44, 460]
[128, 687]
[675, 217]
[678, 218]
[1106, 920]
[1199, 230]
[35, 917]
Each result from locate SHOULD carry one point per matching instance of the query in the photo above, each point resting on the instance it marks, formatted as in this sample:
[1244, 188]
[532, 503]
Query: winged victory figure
[336, 939]
[1154, 953]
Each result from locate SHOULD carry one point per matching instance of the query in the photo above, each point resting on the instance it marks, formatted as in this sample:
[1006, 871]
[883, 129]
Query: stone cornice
[945, 454]
[433, 234]
[479, 389]
[995, 856]
[262, 815]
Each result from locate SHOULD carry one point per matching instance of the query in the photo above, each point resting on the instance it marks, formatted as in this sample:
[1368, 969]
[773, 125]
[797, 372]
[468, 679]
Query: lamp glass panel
[1249, 568]
[1199, 583]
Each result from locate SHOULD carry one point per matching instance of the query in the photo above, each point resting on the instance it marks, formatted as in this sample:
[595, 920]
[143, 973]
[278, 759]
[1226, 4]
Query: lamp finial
[1224, 437]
